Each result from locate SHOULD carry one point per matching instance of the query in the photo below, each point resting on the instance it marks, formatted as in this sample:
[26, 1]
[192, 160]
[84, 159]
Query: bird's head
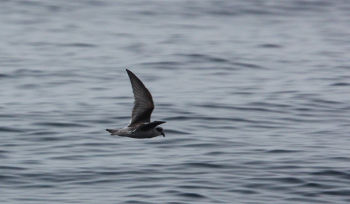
[160, 130]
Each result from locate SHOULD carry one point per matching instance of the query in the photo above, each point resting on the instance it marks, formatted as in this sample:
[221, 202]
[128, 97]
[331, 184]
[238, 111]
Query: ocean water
[256, 95]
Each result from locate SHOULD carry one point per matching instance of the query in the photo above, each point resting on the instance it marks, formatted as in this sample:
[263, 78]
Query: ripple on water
[191, 195]
[137, 202]
[204, 165]
[204, 58]
[281, 151]
[60, 124]
[341, 174]
[4, 76]
[177, 132]
[317, 185]
[43, 132]
[244, 191]
[182, 194]
[339, 192]
[163, 64]
[268, 45]
[245, 124]
[10, 129]
[14, 168]
[248, 65]
[340, 84]
[79, 45]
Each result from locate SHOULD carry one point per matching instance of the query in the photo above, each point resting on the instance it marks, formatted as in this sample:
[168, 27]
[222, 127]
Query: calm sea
[256, 95]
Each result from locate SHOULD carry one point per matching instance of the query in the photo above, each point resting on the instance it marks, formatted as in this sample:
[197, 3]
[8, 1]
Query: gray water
[256, 95]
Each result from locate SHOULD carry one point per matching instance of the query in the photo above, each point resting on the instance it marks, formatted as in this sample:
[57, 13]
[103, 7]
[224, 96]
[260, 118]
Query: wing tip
[128, 71]
[131, 74]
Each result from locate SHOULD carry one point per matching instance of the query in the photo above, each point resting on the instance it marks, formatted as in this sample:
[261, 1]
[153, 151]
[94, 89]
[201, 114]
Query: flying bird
[140, 125]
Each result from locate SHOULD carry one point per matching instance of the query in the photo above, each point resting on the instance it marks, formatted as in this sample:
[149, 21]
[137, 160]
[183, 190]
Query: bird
[140, 126]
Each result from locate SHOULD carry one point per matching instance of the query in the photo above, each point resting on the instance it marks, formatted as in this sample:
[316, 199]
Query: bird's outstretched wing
[149, 126]
[143, 104]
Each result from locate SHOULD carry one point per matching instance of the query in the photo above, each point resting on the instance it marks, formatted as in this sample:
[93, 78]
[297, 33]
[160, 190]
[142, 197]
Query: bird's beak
[162, 134]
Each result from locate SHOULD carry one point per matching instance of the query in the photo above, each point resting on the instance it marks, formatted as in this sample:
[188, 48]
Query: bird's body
[140, 126]
[131, 132]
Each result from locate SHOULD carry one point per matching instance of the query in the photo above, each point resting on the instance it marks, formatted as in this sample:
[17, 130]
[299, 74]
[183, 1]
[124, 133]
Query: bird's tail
[110, 130]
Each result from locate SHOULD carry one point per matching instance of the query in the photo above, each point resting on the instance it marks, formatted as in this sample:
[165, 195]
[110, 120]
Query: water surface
[256, 96]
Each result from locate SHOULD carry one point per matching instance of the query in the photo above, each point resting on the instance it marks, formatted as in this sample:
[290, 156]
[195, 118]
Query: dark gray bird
[140, 126]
